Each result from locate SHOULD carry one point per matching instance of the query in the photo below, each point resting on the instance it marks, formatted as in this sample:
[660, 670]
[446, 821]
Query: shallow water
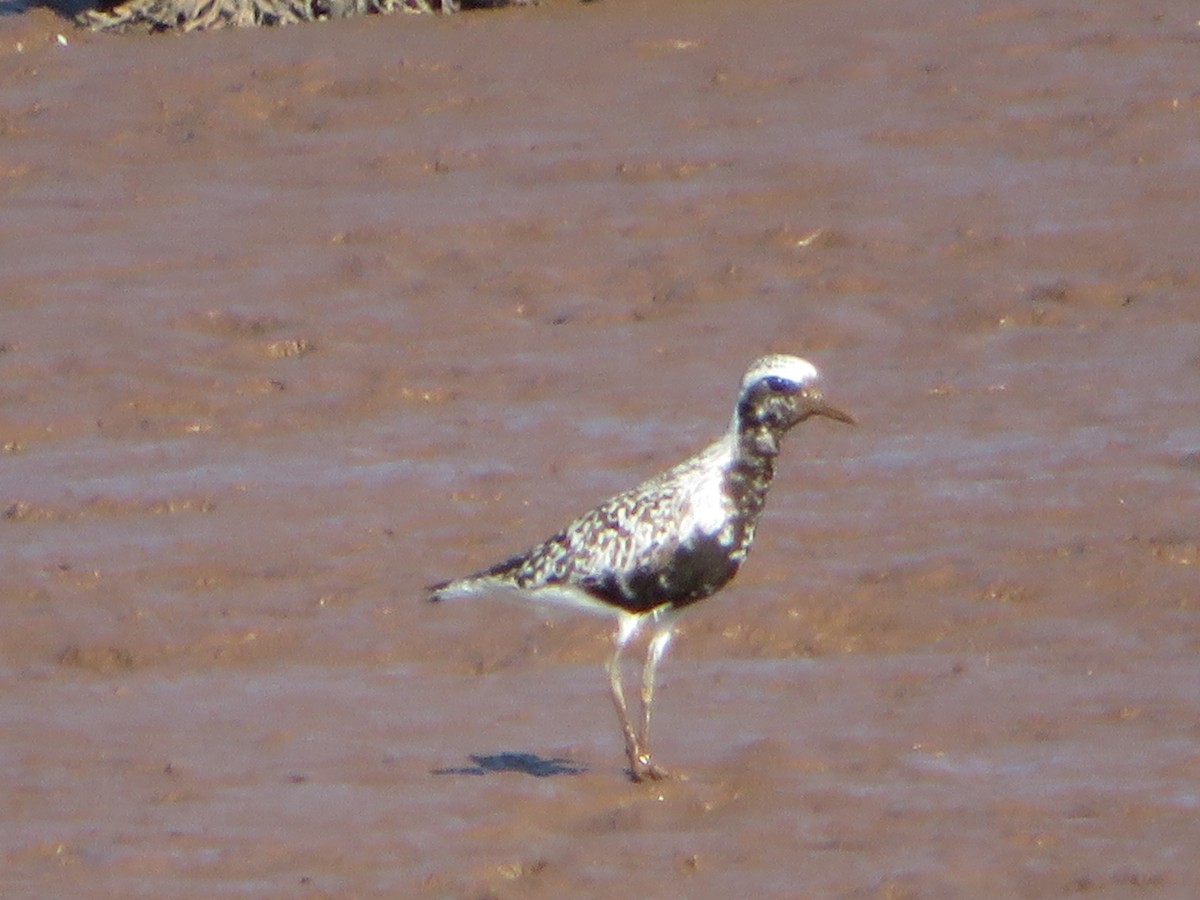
[295, 322]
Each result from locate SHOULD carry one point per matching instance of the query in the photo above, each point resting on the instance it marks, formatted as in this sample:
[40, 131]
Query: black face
[779, 403]
[773, 401]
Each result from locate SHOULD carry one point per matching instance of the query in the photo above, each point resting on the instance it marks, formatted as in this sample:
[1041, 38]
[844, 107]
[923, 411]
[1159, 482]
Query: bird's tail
[489, 579]
[456, 588]
[436, 593]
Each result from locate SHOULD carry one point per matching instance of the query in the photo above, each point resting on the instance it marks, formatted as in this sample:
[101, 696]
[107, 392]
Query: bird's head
[777, 393]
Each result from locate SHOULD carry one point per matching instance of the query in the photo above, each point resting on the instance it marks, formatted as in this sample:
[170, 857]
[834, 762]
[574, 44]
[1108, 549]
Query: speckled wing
[626, 534]
[627, 550]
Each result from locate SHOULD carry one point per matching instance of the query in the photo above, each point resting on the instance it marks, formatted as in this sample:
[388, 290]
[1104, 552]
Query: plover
[652, 551]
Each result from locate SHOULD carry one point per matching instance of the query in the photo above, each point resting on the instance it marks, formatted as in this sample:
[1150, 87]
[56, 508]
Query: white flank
[562, 594]
[708, 508]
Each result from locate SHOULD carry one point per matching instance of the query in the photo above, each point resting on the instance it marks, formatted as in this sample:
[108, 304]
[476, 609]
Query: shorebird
[656, 549]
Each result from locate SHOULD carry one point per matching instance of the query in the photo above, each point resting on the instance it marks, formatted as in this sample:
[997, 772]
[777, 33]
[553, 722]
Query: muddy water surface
[294, 322]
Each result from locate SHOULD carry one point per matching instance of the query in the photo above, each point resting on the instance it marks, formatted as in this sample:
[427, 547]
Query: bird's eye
[775, 383]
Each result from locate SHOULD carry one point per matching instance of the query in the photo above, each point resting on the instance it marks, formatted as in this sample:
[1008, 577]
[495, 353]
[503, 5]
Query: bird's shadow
[514, 761]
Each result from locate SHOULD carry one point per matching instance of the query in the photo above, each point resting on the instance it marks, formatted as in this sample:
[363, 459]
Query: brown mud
[294, 322]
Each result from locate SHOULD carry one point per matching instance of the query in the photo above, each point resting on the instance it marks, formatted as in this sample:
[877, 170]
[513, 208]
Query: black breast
[694, 571]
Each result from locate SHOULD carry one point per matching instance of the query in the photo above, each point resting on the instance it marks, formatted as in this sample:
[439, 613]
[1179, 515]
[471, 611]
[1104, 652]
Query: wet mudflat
[295, 322]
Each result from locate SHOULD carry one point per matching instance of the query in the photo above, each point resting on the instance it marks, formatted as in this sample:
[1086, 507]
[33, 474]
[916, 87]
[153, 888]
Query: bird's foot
[642, 769]
[650, 773]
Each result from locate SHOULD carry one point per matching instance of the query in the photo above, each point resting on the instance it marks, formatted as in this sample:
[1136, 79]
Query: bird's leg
[654, 654]
[632, 749]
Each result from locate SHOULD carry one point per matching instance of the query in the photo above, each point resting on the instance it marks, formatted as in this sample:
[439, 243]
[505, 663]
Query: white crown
[793, 368]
